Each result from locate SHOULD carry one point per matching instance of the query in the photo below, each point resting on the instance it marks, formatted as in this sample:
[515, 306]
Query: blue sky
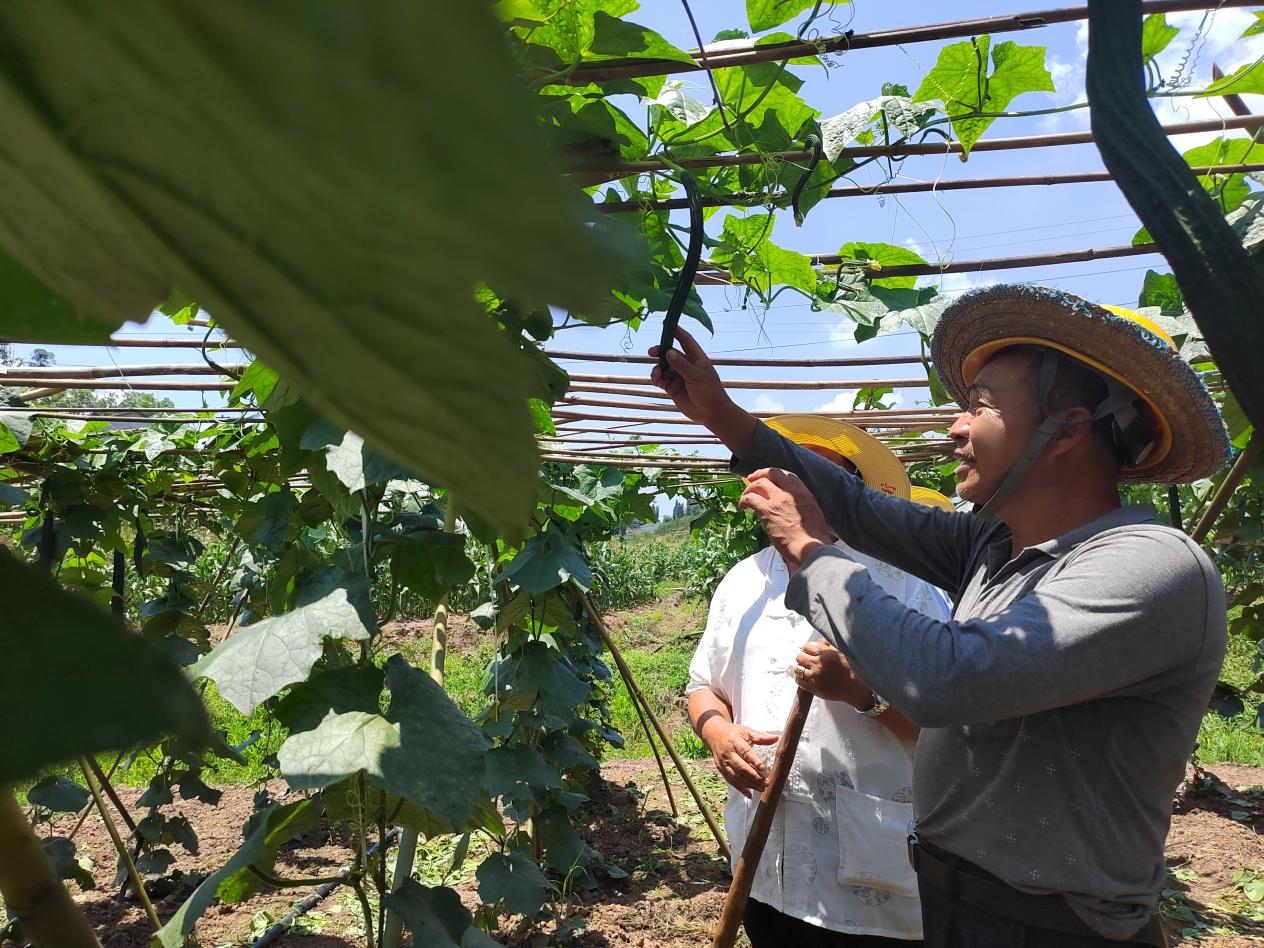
[957, 225]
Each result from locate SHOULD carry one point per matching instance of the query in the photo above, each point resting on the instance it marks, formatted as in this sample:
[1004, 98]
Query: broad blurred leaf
[54, 643]
[180, 927]
[432, 563]
[261, 659]
[15, 429]
[59, 794]
[292, 168]
[282, 824]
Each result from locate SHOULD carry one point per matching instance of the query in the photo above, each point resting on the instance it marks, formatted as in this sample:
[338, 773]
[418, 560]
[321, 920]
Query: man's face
[993, 431]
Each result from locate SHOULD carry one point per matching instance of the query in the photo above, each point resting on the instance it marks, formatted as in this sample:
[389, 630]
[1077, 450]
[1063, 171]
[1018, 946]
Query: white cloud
[843, 336]
[957, 283]
[841, 402]
[765, 402]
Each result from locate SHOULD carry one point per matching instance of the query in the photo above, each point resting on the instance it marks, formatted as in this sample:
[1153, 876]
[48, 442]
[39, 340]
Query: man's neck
[1036, 516]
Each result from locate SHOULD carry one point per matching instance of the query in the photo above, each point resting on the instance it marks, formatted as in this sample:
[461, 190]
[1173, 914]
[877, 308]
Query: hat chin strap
[1118, 403]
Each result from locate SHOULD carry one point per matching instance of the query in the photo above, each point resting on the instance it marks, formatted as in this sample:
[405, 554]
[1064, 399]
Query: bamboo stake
[761, 823]
[641, 382]
[119, 845]
[125, 342]
[31, 890]
[1224, 493]
[393, 931]
[140, 385]
[635, 690]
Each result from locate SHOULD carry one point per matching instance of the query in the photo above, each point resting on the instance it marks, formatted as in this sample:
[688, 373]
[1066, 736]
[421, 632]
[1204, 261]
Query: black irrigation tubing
[273, 934]
[756, 52]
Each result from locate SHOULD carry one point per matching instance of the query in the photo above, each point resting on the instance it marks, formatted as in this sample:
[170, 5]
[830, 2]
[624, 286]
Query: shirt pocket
[873, 843]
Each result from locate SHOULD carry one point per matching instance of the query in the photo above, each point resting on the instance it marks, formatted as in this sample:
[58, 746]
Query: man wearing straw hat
[834, 873]
[1061, 701]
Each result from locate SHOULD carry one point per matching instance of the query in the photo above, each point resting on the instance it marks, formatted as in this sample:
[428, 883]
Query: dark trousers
[768, 928]
[950, 923]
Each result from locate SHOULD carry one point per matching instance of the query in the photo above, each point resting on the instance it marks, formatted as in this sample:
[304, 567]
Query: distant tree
[679, 510]
[41, 358]
[86, 398]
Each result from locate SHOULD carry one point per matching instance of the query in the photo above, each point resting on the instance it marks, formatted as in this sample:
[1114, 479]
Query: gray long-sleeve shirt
[1061, 700]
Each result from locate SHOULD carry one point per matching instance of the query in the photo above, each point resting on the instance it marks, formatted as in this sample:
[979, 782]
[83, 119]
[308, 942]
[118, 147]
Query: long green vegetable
[684, 282]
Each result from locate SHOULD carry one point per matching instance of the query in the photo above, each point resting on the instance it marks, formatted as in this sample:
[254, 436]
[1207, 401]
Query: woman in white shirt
[835, 870]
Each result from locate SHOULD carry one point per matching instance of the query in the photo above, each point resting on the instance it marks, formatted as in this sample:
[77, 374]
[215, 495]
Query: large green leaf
[1156, 33]
[515, 880]
[614, 38]
[11, 496]
[180, 927]
[59, 794]
[534, 675]
[960, 76]
[428, 752]
[752, 258]
[432, 563]
[261, 659]
[15, 429]
[283, 824]
[1245, 80]
[436, 917]
[514, 771]
[883, 255]
[79, 682]
[548, 559]
[765, 14]
[296, 169]
[345, 688]
[33, 311]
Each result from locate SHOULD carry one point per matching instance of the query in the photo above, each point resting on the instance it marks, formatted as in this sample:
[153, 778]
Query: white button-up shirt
[837, 855]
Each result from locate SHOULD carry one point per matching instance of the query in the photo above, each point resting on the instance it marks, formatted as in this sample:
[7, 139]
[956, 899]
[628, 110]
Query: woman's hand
[790, 514]
[733, 747]
[824, 670]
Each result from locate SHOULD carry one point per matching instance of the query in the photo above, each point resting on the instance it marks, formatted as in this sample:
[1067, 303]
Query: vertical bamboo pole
[1220, 499]
[765, 810]
[394, 929]
[119, 845]
[30, 887]
[635, 690]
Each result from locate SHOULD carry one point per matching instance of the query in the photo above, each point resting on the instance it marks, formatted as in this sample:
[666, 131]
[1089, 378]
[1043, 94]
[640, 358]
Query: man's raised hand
[695, 387]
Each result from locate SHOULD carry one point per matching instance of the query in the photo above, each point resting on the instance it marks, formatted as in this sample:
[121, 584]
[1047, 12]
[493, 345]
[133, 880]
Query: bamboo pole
[140, 385]
[393, 930]
[563, 415]
[761, 823]
[849, 41]
[914, 187]
[1224, 493]
[618, 169]
[568, 356]
[125, 342]
[129, 864]
[639, 381]
[30, 887]
[60, 372]
[634, 691]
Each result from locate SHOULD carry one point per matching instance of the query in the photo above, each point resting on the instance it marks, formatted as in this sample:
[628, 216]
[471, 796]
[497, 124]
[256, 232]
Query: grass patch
[1235, 740]
[662, 676]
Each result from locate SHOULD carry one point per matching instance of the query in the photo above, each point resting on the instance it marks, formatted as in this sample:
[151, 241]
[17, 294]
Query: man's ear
[1077, 425]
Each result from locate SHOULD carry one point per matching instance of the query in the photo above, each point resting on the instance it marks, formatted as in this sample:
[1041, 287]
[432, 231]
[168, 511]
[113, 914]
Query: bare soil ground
[675, 880]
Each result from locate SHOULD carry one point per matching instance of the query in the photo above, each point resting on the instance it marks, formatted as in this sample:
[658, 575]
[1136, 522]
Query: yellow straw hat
[879, 468]
[930, 498]
[1188, 439]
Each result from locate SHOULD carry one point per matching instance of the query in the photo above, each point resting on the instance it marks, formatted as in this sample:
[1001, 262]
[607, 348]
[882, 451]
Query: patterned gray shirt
[1061, 700]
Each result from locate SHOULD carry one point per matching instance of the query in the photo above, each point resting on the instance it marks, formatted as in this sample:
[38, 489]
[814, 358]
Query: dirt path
[668, 881]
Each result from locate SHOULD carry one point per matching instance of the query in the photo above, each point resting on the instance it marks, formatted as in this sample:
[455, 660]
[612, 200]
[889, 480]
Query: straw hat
[878, 466]
[930, 498]
[1189, 437]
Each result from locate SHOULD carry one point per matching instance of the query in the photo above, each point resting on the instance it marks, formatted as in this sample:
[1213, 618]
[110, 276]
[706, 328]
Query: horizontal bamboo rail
[61, 372]
[618, 169]
[155, 410]
[127, 342]
[912, 187]
[766, 384]
[795, 49]
[1000, 263]
[139, 385]
[563, 416]
[566, 356]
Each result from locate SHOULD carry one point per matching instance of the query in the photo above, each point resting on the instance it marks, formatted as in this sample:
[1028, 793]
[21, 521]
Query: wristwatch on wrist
[880, 704]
